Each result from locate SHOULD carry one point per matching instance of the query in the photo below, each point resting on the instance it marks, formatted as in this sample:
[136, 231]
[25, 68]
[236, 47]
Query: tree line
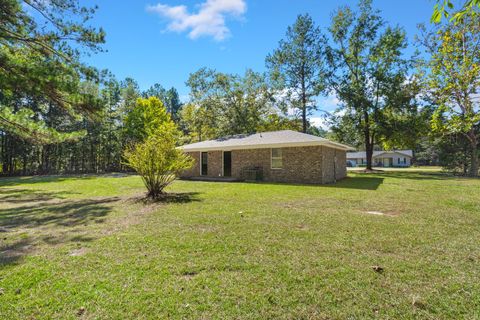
[58, 115]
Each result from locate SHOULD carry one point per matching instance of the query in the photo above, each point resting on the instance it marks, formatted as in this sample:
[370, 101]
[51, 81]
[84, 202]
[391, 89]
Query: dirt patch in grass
[189, 274]
[78, 252]
[301, 227]
[389, 213]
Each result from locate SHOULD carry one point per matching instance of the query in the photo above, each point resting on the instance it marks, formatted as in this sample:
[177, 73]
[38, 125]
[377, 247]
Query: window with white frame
[277, 162]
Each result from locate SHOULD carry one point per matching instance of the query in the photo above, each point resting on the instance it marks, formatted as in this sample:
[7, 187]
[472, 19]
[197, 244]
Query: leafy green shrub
[145, 119]
[155, 157]
[157, 161]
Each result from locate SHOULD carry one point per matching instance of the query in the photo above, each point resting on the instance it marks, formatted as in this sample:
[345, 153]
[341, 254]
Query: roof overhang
[329, 144]
[392, 153]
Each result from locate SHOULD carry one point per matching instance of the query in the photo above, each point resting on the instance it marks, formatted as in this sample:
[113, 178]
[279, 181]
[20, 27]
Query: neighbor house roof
[273, 139]
[362, 154]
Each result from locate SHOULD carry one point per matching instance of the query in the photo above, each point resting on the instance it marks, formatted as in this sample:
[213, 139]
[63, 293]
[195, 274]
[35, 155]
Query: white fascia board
[340, 146]
[391, 153]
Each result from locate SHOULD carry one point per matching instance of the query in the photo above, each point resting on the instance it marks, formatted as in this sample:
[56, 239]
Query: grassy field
[424, 169]
[91, 248]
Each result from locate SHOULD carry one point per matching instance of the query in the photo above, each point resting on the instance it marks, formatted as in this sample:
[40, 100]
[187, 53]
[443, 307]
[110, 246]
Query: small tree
[157, 160]
[146, 116]
[154, 155]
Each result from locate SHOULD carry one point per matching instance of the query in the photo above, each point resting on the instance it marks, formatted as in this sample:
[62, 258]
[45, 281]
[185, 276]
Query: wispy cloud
[209, 20]
[320, 122]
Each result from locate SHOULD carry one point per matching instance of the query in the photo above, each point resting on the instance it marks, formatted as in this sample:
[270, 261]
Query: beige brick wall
[335, 165]
[341, 167]
[328, 172]
[300, 164]
[214, 165]
[249, 158]
[195, 169]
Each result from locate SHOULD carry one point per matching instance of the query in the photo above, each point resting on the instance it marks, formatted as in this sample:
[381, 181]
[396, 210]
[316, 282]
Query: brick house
[278, 156]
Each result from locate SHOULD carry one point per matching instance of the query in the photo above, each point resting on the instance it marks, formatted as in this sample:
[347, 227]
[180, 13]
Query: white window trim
[200, 162]
[271, 159]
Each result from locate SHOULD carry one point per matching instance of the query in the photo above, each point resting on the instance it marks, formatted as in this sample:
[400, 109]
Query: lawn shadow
[358, 182]
[69, 213]
[11, 253]
[50, 222]
[171, 197]
[13, 181]
[362, 183]
[17, 196]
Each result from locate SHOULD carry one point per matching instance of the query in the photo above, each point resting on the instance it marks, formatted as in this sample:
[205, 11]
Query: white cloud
[319, 122]
[208, 21]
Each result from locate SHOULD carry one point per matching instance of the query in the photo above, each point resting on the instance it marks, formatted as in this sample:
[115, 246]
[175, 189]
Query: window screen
[277, 162]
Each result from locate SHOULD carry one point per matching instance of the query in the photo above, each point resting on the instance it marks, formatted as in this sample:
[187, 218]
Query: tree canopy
[58, 114]
[225, 104]
[452, 81]
[369, 74]
[297, 66]
[40, 65]
[445, 8]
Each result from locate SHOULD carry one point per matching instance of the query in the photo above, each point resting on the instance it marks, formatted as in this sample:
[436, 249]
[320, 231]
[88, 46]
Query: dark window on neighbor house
[404, 160]
[277, 160]
[398, 160]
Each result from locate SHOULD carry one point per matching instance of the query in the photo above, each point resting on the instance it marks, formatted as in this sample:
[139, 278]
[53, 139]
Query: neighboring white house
[394, 158]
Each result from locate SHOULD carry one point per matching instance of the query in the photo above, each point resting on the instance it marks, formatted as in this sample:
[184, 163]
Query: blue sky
[162, 42]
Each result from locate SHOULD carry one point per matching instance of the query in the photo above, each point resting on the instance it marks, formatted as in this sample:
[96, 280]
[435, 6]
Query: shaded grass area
[92, 247]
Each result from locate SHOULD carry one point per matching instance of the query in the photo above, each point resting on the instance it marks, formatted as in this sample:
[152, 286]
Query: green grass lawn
[91, 248]
[424, 169]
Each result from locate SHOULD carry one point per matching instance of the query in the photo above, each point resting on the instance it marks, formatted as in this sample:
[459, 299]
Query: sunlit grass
[91, 247]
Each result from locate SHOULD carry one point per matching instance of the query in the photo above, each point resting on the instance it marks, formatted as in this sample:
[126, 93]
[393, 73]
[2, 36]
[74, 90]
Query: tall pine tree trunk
[304, 120]
[368, 142]
[304, 103]
[473, 170]
[10, 153]
[3, 151]
[24, 164]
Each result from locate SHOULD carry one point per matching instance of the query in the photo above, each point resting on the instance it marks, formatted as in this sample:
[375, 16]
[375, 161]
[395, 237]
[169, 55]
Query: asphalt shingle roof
[273, 139]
